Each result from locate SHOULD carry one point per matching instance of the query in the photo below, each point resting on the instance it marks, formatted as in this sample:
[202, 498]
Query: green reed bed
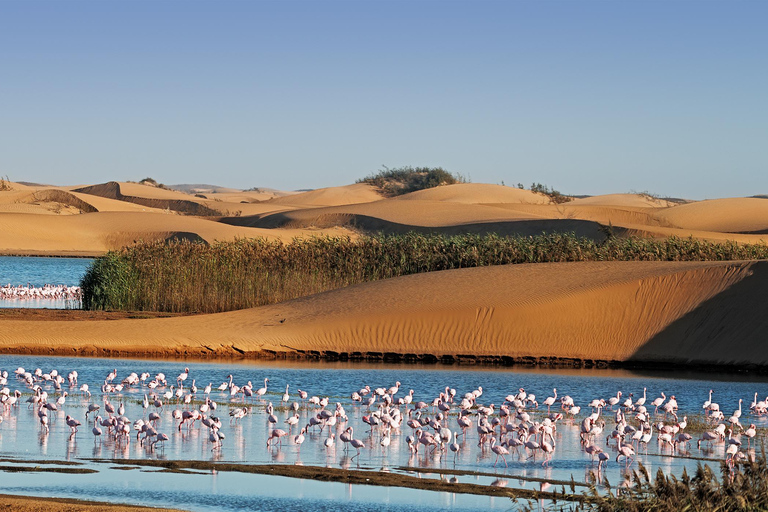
[182, 276]
[744, 487]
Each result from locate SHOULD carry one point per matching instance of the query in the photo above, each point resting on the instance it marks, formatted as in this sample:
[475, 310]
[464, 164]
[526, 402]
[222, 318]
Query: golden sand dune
[150, 192]
[630, 200]
[396, 216]
[104, 204]
[733, 215]
[476, 193]
[96, 233]
[152, 197]
[47, 201]
[688, 312]
[332, 196]
[247, 196]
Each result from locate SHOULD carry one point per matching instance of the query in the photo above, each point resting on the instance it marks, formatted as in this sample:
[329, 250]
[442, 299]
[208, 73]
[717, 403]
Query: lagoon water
[35, 271]
[245, 440]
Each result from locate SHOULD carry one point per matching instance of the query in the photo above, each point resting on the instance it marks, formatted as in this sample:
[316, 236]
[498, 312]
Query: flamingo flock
[439, 428]
[45, 292]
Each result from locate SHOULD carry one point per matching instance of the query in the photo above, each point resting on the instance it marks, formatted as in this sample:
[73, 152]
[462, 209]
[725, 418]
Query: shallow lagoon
[35, 271]
[245, 441]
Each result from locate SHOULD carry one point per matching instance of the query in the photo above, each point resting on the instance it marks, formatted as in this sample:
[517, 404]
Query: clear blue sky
[589, 97]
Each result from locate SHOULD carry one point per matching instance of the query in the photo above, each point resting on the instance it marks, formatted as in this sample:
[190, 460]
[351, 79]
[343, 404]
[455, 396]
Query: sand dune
[617, 311]
[43, 201]
[393, 216]
[733, 215]
[632, 200]
[332, 196]
[476, 193]
[148, 196]
[96, 233]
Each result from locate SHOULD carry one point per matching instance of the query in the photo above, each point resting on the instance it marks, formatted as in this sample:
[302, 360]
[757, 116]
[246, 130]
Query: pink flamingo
[277, 434]
[500, 451]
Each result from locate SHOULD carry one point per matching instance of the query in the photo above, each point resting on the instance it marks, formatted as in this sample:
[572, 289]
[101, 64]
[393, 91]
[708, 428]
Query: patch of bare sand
[614, 311]
[405, 213]
[731, 215]
[331, 196]
[631, 200]
[35, 504]
[476, 193]
[96, 233]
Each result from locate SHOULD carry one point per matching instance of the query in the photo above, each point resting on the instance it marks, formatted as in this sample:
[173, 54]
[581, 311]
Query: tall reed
[744, 487]
[184, 276]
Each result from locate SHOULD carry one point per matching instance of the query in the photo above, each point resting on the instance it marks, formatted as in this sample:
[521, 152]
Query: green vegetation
[402, 180]
[151, 182]
[183, 276]
[553, 194]
[745, 488]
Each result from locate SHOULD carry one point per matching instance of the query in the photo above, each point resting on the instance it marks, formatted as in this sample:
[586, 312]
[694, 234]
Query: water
[245, 441]
[23, 270]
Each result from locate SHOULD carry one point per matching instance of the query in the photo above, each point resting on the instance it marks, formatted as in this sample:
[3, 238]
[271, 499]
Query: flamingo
[182, 376]
[356, 443]
[614, 399]
[627, 452]
[263, 391]
[708, 437]
[299, 439]
[548, 450]
[286, 396]
[750, 433]
[500, 451]
[602, 458]
[551, 400]
[641, 401]
[657, 403]
[454, 446]
[277, 434]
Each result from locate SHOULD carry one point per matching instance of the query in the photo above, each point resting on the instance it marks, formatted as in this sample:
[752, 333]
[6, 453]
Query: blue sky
[588, 97]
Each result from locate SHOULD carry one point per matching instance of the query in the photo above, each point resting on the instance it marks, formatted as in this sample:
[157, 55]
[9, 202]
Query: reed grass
[190, 277]
[743, 488]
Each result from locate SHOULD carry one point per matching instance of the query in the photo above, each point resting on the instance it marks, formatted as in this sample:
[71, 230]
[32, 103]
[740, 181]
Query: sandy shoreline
[36, 504]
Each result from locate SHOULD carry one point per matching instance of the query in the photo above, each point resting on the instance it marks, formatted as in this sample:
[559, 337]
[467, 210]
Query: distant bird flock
[45, 292]
[439, 426]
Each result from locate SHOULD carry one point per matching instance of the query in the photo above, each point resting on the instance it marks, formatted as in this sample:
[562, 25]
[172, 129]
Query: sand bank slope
[604, 311]
[37, 504]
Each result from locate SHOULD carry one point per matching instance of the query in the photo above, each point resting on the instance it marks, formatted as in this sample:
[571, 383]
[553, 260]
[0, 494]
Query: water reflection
[245, 439]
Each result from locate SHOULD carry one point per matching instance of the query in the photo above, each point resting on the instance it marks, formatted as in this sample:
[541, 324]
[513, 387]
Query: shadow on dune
[111, 190]
[731, 328]
[368, 224]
